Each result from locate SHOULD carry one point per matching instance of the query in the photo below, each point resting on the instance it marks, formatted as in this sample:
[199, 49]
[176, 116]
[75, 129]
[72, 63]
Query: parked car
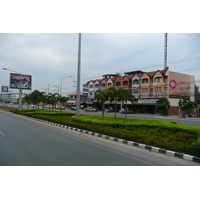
[73, 108]
[90, 109]
[128, 111]
[110, 110]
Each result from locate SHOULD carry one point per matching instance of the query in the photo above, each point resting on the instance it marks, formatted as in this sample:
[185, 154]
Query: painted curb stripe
[162, 151]
[178, 155]
[196, 159]
[148, 147]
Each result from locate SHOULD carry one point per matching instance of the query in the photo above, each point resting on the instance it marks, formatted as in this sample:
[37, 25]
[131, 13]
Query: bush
[163, 134]
[196, 148]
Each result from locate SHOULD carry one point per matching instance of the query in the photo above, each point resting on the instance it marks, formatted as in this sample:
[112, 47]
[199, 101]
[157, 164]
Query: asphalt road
[25, 142]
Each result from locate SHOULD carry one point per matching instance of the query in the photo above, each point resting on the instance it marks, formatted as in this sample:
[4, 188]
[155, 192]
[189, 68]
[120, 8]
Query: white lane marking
[2, 133]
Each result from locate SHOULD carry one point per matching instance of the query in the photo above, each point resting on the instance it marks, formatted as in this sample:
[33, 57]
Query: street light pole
[20, 89]
[78, 78]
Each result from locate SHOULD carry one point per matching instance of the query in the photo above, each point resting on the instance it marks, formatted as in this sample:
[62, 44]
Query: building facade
[147, 87]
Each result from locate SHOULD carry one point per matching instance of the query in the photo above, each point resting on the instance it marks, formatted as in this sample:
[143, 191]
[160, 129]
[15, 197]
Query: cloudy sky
[42, 41]
[49, 57]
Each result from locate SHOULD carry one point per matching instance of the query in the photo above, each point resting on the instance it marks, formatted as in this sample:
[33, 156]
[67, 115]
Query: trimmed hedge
[159, 133]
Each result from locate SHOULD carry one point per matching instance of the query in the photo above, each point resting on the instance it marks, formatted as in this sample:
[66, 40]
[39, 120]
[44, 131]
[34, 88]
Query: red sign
[172, 84]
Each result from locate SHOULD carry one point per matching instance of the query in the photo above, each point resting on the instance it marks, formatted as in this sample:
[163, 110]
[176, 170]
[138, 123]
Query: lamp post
[20, 89]
[78, 77]
[61, 82]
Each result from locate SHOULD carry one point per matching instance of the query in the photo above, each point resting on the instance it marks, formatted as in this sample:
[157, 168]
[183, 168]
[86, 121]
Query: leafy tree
[162, 106]
[36, 97]
[102, 96]
[27, 98]
[113, 96]
[125, 95]
[186, 105]
[196, 93]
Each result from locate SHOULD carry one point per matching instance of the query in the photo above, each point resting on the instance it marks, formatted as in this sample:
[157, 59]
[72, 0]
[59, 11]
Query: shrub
[163, 134]
[196, 148]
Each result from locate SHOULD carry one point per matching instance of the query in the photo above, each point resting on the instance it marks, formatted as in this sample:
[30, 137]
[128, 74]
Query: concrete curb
[130, 143]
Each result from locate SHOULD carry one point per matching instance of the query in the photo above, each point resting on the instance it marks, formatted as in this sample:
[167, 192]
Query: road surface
[25, 142]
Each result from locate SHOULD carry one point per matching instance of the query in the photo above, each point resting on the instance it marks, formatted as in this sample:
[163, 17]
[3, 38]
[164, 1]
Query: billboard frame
[20, 81]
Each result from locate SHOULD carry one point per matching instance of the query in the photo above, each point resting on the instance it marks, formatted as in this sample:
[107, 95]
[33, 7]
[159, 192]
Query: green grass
[164, 134]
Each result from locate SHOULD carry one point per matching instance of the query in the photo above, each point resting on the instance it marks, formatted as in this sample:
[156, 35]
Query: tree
[101, 96]
[63, 100]
[196, 93]
[27, 98]
[36, 97]
[53, 99]
[125, 95]
[113, 96]
[162, 106]
[186, 105]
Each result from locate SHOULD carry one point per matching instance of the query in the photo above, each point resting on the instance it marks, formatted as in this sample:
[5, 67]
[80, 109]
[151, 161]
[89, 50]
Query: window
[144, 91]
[109, 84]
[158, 80]
[96, 86]
[144, 80]
[135, 82]
[135, 91]
[91, 86]
[117, 84]
[103, 85]
[159, 90]
[125, 83]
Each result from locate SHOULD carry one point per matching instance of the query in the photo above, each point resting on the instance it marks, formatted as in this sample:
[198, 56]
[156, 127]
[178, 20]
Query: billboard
[20, 81]
[180, 85]
[4, 88]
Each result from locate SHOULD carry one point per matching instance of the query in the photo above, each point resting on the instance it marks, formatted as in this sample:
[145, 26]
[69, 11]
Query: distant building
[147, 87]
[73, 96]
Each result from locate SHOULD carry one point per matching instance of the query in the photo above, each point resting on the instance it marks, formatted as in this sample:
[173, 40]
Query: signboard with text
[4, 88]
[179, 85]
[20, 81]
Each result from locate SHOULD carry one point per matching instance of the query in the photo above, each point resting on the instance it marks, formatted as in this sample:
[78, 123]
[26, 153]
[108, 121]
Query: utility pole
[78, 78]
[165, 50]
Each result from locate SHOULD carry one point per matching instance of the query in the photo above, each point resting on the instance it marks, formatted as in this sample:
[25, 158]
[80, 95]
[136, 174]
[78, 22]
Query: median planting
[158, 133]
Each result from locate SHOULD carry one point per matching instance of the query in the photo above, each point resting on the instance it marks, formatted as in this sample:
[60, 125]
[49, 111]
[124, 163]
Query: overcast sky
[42, 40]
[49, 57]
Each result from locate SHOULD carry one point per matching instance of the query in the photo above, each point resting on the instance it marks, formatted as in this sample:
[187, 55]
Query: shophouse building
[147, 87]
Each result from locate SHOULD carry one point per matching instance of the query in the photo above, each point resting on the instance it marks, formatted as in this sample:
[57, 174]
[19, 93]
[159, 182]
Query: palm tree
[63, 100]
[101, 96]
[125, 95]
[53, 99]
[113, 96]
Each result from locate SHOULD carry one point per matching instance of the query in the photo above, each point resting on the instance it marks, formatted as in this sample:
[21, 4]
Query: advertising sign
[4, 88]
[20, 81]
[151, 101]
[179, 85]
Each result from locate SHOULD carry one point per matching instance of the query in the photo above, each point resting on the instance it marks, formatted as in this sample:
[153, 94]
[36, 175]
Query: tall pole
[20, 99]
[20, 90]
[78, 77]
[165, 50]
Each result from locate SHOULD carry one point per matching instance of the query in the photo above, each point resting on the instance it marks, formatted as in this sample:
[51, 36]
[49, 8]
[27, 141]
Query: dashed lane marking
[1, 133]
